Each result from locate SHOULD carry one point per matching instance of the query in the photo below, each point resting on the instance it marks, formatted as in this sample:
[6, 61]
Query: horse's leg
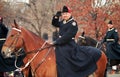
[101, 66]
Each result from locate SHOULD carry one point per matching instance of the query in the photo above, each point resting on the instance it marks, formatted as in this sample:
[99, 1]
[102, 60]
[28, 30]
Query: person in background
[3, 29]
[3, 34]
[112, 46]
[72, 60]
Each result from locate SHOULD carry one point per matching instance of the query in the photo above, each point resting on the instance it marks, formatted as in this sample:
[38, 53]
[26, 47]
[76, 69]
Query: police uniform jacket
[113, 48]
[3, 34]
[73, 60]
[3, 31]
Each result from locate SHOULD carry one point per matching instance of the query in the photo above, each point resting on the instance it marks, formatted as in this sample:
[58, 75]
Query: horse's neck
[90, 41]
[31, 41]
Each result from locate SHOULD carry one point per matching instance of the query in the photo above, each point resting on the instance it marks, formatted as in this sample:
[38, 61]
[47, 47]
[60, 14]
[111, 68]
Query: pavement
[113, 73]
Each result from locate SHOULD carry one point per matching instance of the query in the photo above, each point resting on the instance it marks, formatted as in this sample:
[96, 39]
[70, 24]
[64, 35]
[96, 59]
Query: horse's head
[81, 40]
[86, 40]
[14, 41]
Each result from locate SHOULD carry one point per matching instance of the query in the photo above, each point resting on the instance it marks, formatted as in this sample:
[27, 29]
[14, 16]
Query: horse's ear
[15, 24]
[83, 33]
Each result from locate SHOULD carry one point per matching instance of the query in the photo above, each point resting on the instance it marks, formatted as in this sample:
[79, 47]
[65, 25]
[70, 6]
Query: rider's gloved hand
[58, 14]
[53, 43]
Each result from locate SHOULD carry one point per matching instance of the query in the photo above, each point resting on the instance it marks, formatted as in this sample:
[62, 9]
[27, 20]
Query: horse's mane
[86, 41]
[91, 39]
[34, 36]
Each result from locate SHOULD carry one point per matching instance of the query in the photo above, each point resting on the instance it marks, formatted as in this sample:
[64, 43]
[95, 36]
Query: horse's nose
[3, 54]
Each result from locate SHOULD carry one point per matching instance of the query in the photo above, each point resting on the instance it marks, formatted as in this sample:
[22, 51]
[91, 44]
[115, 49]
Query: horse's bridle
[83, 39]
[16, 52]
[13, 44]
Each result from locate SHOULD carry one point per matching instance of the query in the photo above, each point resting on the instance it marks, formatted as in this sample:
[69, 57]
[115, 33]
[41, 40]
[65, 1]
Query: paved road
[114, 75]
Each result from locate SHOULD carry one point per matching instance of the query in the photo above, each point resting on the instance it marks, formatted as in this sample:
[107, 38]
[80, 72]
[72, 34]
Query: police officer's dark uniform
[3, 29]
[72, 60]
[3, 34]
[112, 46]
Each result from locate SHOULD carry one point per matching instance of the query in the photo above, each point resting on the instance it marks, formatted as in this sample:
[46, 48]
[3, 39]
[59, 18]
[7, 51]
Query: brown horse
[42, 61]
[40, 54]
[88, 41]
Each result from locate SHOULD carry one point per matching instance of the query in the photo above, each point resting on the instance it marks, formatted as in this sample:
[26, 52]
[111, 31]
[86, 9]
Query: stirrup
[18, 73]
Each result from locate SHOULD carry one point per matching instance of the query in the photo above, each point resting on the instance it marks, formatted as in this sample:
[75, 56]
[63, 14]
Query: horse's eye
[12, 35]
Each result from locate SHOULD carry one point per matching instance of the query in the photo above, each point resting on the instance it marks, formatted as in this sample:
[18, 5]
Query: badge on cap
[74, 23]
[116, 30]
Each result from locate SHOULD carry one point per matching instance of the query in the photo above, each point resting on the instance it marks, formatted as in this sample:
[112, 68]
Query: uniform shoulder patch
[74, 23]
[116, 30]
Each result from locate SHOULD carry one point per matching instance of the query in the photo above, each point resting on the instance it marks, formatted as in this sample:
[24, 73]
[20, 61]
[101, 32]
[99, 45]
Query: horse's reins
[43, 59]
[26, 65]
[96, 43]
[33, 51]
[36, 51]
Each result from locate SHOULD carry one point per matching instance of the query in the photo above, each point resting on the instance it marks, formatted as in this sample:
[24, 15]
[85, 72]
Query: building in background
[17, 1]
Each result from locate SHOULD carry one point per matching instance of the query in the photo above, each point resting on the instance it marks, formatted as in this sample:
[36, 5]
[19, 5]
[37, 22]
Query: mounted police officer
[3, 34]
[72, 60]
[111, 38]
[112, 46]
[3, 30]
